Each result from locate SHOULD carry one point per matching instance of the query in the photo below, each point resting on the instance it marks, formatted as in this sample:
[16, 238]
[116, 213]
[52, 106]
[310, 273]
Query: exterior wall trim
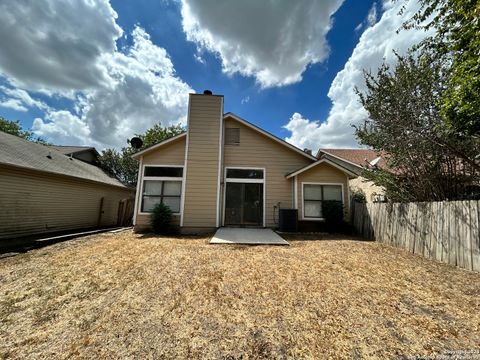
[220, 165]
[318, 183]
[295, 179]
[185, 167]
[137, 194]
[318, 163]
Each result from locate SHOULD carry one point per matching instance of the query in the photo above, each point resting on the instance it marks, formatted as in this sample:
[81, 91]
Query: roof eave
[310, 166]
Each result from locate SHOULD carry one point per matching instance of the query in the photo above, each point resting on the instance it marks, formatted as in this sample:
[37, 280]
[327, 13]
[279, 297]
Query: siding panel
[257, 150]
[202, 161]
[34, 203]
[170, 154]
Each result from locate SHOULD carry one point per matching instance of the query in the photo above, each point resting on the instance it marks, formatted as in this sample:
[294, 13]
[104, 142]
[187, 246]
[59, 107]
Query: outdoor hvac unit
[288, 220]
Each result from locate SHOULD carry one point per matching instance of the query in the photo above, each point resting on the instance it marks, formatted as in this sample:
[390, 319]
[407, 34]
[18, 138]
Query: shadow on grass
[175, 236]
[319, 237]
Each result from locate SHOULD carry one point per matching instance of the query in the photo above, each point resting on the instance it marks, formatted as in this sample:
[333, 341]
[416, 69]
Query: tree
[426, 161]
[120, 163]
[456, 38]
[15, 128]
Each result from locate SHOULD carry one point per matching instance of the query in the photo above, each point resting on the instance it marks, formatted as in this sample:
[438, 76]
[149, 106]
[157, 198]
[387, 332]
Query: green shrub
[160, 219]
[359, 196]
[332, 211]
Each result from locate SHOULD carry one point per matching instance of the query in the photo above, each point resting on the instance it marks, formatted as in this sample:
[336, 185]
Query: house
[85, 153]
[358, 160]
[44, 190]
[225, 171]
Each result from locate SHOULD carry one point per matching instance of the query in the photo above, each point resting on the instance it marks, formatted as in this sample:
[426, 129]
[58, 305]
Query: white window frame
[161, 178]
[303, 199]
[239, 180]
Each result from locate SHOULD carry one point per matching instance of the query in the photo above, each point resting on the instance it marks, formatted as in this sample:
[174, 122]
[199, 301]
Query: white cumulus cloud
[63, 127]
[56, 45]
[273, 41]
[376, 44]
[144, 91]
[67, 49]
[18, 99]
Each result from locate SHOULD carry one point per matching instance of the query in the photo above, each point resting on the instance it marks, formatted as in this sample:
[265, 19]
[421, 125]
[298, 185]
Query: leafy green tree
[120, 163]
[426, 161]
[15, 128]
[456, 39]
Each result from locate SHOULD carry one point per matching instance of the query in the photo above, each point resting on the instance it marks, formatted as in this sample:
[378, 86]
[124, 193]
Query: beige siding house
[43, 190]
[225, 171]
[358, 160]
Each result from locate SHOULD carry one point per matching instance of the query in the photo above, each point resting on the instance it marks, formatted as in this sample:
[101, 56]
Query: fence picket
[475, 234]
[466, 238]
[444, 231]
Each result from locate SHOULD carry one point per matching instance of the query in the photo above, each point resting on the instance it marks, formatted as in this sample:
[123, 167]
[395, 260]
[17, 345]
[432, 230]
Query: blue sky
[269, 108]
[83, 74]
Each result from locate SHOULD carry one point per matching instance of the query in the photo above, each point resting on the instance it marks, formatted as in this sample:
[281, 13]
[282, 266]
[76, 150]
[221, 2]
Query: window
[232, 136]
[244, 174]
[165, 192]
[314, 195]
[160, 186]
[161, 171]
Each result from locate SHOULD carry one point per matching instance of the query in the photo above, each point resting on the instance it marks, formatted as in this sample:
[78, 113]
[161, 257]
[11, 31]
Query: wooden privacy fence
[125, 212]
[444, 231]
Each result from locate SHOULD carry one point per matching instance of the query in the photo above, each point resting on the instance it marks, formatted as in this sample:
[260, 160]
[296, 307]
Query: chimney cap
[207, 92]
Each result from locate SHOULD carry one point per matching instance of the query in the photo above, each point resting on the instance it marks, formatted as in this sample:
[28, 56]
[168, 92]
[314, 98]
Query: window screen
[166, 192]
[158, 171]
[232, 136]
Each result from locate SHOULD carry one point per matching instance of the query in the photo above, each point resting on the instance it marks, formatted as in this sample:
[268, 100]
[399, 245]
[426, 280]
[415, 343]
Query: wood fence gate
[125, 212]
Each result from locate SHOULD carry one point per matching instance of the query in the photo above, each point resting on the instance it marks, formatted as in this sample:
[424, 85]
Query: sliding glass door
[244, 204]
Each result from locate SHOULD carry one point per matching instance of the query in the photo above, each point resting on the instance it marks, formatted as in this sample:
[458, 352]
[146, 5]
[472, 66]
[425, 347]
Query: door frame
[245, 181]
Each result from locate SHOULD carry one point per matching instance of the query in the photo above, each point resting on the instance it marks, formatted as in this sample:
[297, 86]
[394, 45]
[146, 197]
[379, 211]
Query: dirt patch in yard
[132, 296]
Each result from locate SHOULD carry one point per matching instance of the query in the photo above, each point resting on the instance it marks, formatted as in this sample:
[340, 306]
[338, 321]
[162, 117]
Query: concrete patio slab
[246, 236]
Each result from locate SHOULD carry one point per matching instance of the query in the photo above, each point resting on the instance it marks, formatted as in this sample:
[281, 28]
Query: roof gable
[321, 161]
[159, 145]
[269, 135]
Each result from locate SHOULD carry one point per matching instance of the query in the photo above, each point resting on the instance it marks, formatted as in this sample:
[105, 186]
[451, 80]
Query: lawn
[132, 296]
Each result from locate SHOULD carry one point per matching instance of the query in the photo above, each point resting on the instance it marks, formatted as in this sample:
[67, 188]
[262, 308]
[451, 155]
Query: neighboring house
[42, 190]
[85, 153]
[357, 160]
[225, 171]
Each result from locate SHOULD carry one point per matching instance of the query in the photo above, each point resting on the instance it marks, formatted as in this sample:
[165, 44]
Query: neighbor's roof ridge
[355, 156]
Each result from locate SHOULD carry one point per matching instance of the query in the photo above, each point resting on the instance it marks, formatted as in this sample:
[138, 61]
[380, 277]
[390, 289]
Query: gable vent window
[232, 136]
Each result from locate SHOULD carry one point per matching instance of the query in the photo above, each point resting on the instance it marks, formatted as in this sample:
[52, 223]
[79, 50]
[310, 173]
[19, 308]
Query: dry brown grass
[131, 296]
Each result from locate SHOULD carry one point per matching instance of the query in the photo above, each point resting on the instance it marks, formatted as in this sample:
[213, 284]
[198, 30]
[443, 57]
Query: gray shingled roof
[72, 149]
[19, 152]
